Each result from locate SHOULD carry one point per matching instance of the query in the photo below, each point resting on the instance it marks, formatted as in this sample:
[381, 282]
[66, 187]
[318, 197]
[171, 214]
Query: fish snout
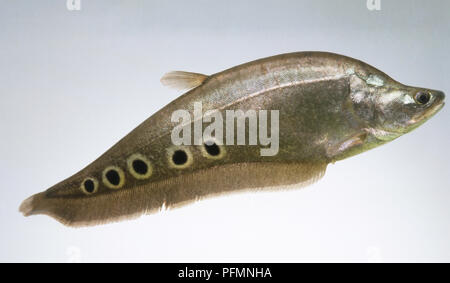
[439, 97]
[435, 104]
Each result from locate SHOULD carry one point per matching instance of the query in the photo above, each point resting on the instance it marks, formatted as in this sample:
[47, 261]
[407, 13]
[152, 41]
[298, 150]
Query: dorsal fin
[183, 80]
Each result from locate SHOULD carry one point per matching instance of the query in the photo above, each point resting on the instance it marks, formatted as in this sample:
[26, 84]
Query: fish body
[330, 107]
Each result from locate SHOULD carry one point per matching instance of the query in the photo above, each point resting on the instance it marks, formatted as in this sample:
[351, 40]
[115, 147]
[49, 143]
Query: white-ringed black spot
[139, 166]
[113, 177]
[179, 157]
[89, 186]
[212, 149]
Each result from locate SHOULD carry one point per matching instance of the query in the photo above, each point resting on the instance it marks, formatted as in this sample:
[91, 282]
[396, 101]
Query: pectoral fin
[347, 147]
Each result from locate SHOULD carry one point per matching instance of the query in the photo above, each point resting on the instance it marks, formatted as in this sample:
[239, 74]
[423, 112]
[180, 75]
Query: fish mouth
[439, 106]
[440, 97]
[435, 109]
[416, 122]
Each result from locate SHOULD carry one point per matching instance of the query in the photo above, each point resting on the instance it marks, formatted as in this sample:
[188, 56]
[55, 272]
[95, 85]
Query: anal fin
[174, 192]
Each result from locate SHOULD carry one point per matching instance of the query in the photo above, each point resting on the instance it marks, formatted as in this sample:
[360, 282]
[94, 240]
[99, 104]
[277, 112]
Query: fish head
[393, 109]
[398, 109]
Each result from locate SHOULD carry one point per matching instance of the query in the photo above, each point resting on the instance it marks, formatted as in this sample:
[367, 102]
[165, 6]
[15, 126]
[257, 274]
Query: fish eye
[139, 166]
[113, 177]
[422, 97]
[89, 186]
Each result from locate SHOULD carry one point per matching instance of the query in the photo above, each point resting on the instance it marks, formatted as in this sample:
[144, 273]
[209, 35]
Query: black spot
[422, 97]
[113, 177]
[140, 166]
[89, 186]
[212, 149]
[179, 157]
